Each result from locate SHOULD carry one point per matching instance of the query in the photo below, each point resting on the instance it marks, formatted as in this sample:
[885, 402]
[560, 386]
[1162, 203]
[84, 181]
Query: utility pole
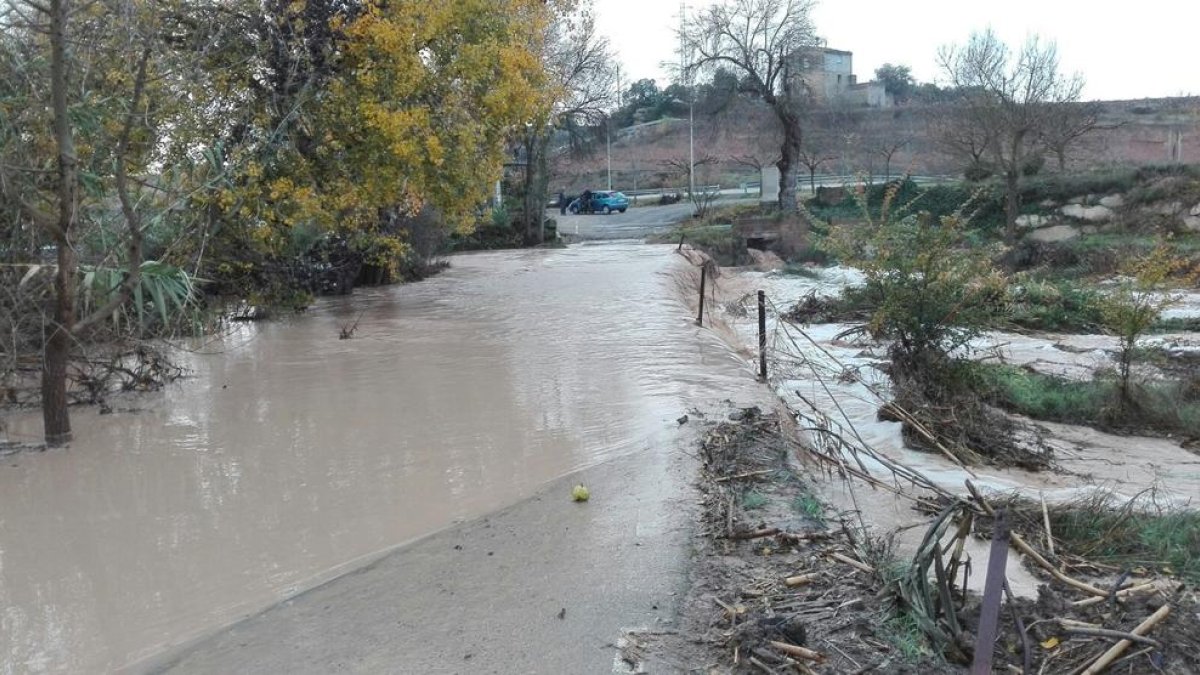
[685, 72]
[608, 147]
[691, 143]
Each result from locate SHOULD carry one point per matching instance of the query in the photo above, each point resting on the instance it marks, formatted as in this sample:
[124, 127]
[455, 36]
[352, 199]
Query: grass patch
[1128, 534]
[718, 241]
[753, 499]
[1158, 406]
[808, 505]
[1040, 305]
[1182, 324]
[1096, 255]
[903, 632]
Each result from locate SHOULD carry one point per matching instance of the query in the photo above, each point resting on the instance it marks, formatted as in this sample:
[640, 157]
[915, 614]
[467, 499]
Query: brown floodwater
[291, 456]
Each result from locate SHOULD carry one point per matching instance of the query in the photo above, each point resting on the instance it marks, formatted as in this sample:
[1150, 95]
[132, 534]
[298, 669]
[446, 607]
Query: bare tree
[580, 64]
[1013, 99]
[760, 147]
[887, 149]
[1067, 124]
[953, 131]
[698, 173]
[813, 154]
[765, 42]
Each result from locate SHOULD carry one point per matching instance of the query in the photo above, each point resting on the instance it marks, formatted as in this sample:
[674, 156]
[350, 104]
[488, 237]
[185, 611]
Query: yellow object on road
[580, 493]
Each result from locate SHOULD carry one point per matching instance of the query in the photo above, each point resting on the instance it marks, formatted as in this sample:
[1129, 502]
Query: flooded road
[292, 456]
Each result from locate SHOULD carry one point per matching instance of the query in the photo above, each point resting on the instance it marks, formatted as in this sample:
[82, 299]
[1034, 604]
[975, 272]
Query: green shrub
[930, 290]
[1042, 305]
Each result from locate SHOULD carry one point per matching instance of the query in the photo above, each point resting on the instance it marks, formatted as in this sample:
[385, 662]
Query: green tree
[1135, 305]
[897, 80]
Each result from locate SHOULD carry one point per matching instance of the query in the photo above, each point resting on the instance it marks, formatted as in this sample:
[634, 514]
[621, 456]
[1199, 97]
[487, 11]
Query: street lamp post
[608, 148]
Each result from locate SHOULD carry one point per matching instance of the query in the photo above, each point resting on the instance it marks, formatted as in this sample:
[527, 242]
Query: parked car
[600, 201]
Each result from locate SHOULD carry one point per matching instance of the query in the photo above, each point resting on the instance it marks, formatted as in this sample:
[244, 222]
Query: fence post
[762, 335]
[993, 588]
[703, 279]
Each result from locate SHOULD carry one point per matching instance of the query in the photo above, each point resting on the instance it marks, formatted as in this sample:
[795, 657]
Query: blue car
[601, 201]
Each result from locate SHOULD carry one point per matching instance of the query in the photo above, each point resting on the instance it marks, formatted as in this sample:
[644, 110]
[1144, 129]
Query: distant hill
[730, 145]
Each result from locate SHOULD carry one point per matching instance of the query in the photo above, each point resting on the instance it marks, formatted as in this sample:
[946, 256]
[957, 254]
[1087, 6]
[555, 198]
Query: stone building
[828, 75]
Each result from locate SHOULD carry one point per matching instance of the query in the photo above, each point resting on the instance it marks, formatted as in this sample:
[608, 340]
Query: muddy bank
[291, 456]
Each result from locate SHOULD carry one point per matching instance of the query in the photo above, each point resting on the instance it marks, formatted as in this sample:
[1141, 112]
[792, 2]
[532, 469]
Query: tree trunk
[1012, 204]
[789, 152]
[812, 179]
[542, 182]
[527, 209]
[55, 415]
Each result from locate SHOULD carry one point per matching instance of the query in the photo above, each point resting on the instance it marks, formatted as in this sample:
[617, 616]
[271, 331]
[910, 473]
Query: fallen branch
[852, 562]
[739, 476]
[1142, 628]
[1046, 522]
[732, 611]
[798, 652]
[1028, 550]
[1124, 592]
[801, 579]
[755, 534]
[1021, 545]
[794, 537]
[761, 666]
[1108, 633]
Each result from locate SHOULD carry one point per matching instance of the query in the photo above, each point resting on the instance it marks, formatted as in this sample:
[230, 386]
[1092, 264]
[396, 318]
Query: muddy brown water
[291, 456]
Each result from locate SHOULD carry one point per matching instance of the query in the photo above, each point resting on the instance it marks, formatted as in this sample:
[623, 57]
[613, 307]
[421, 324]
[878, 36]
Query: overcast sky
[1148, 48]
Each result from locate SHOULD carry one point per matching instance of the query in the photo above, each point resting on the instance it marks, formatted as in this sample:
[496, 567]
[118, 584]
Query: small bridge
[771, 232]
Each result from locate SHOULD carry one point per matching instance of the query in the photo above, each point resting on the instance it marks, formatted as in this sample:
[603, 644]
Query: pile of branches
[1087, 618]
[137, 368]
[938, 400]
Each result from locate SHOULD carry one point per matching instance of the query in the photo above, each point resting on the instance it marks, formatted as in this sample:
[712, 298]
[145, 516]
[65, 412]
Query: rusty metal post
[703, 280]
[762, 335]
[993, 593]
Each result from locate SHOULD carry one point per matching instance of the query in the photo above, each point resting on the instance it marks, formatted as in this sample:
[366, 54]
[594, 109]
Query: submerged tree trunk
[541, 183]
[55, 415]
[789, 153]
[527, 188]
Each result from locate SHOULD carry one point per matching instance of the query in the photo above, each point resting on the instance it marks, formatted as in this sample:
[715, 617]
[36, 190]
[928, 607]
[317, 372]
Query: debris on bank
[782, 585]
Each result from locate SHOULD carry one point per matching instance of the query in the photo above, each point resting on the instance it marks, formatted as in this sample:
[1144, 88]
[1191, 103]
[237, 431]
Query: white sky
[1142, 49]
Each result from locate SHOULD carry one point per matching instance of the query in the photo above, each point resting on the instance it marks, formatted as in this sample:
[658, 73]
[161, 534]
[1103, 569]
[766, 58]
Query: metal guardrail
[822, 180]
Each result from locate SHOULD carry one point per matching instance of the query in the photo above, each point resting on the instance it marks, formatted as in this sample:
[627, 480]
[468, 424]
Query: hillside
[729, 145]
